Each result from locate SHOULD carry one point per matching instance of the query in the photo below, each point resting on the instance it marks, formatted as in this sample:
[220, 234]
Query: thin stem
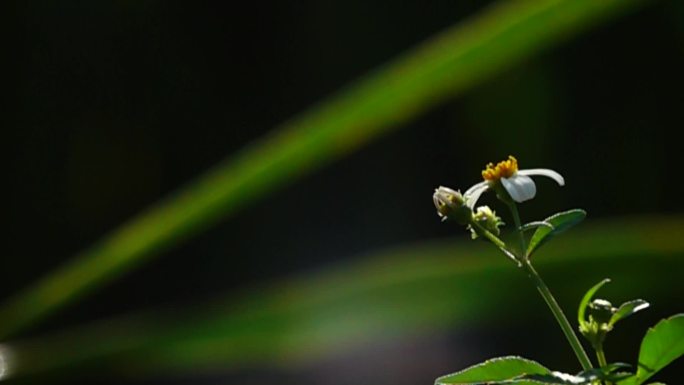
[487, 234]
[601, 357]
[558, 313]
[518, 227]
[496, 241]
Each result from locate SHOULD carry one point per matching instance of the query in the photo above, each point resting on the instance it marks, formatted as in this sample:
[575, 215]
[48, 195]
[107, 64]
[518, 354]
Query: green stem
[601, 357]
[487, 234]
[496, 241]
[558, 313]
[546, 294]
[518, 225]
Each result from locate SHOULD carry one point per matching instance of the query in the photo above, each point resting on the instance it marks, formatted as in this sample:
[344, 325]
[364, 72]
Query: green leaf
[581, 319]
[559, 222]
[627, 309]
[536, 224]
[608, 373]
[496, 369]
[517, 370]
[662, 344]
[557, 378]
[586, 377]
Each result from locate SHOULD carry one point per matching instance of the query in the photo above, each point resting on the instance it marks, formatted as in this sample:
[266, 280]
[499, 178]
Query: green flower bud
[486, 217]
[601, 311]
[451, 204]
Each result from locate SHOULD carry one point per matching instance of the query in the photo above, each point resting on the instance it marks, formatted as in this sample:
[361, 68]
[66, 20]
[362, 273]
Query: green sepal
[581, 319]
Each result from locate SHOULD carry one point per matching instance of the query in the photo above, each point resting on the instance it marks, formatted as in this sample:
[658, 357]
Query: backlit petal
[544, 172]
[520, 187]
[473, 193]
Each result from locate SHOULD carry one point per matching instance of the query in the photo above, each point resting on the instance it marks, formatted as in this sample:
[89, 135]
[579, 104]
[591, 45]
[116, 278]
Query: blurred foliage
[418, 289]
[433, 287]
[445, 65]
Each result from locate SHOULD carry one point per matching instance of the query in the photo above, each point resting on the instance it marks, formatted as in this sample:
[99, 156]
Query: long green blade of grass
[418, 289]
[445, 65]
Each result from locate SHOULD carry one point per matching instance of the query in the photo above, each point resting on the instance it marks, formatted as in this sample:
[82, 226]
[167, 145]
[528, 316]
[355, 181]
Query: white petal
[520, 187]
[544, 172]
[473, 193]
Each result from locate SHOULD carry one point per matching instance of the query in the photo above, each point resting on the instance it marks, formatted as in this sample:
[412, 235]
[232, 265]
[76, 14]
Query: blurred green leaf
[386, 296]
[559, 222]
[446, 65]
[581, 318]
[662, 344]
[495, 370]
[627, 309]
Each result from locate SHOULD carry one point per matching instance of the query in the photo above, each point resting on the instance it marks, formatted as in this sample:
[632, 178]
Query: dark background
[115, 104]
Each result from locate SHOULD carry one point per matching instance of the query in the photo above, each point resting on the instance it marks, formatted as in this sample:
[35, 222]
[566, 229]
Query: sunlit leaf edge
[560, 223]
[464, 377]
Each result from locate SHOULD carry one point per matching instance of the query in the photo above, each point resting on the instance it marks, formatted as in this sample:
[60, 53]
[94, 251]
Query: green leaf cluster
[661, 345]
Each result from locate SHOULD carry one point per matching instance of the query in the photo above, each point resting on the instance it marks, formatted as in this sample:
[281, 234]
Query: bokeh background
[117, 104]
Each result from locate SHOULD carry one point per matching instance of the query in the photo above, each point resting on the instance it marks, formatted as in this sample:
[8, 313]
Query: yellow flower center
[503, 169]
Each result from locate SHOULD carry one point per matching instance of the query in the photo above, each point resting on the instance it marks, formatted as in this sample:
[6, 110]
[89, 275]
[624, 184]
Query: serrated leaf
[661, 345]
[557, 378]
[586, 299]
[560, 222]
[496, 369]
[627, 309]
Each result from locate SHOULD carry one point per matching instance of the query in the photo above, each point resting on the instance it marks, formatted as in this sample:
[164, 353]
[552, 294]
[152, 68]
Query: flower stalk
[550, 300]
[518, 226]
[563, 322]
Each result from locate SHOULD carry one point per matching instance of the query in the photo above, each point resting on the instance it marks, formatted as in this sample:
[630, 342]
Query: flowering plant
[661, 345]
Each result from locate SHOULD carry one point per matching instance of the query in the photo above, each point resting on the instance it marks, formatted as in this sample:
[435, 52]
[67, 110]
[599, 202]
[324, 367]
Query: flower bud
[601, 311]
[598, 326]
[451, 204]
[487, 218]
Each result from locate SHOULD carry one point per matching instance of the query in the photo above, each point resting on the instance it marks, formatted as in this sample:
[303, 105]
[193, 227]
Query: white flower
[517, 183]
